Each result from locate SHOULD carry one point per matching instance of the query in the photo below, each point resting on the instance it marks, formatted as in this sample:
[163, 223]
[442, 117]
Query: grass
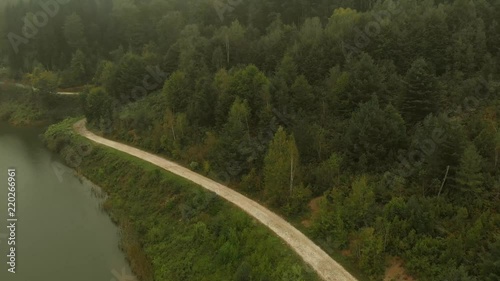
[174, 229]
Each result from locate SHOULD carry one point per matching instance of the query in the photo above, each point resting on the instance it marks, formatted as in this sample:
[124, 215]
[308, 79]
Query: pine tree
[231, 149]
[373, 136]
[128, 74]
[74, 31]
[421, 92]
[359, 204]
[237, 122]
[224, 100]
[469, 177]
[490, 265]
[252, 85]
[79, 68]
[177, 90]
[302, 95]
[280, 168]
[286, 73]
[327, 174]
[365, 79]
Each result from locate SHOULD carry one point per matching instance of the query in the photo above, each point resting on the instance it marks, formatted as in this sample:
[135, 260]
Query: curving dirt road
[321, 262]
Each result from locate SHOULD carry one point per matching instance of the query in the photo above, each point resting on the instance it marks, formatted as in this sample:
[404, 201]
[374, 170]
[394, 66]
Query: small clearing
[396, 272]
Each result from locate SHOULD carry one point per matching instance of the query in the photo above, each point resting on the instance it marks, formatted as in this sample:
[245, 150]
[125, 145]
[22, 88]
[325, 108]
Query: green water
[61, 234]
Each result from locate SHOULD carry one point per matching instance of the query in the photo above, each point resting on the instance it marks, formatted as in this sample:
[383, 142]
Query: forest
[373, 126]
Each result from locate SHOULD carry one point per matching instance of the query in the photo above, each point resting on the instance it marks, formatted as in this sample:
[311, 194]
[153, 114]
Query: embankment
[173, 229]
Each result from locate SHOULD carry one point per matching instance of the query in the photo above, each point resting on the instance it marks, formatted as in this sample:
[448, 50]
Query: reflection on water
[62, 234]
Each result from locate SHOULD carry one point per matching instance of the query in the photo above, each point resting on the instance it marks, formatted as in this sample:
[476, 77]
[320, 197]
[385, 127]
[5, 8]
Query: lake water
[61, 234]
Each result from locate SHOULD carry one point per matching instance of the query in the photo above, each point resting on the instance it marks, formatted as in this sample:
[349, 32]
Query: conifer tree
[421, 92]
[470, 178]
[280, 168]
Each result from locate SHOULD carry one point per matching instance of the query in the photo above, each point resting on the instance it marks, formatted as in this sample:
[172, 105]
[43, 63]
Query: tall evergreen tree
[74, 31]
[373, 136]
[79, 68]
[177, 90]
[280, 168]
[422, 92]
[469, 177]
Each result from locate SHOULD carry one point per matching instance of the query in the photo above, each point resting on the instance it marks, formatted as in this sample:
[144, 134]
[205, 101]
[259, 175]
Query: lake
[61, 233]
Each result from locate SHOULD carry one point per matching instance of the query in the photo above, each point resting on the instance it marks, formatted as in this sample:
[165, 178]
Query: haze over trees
[387, 110]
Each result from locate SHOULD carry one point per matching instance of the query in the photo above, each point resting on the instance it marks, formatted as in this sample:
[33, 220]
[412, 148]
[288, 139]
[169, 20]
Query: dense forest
[384, 115]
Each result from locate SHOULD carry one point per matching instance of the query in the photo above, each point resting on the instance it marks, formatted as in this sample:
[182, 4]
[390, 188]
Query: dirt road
[321, 262]
[67, 93]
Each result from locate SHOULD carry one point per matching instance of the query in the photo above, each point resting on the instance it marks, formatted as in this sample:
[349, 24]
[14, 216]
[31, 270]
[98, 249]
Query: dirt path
[321, 262]
[67, 93]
